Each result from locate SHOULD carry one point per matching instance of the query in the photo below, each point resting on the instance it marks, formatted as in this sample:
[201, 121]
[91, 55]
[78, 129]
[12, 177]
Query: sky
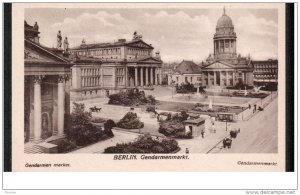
[179, 34]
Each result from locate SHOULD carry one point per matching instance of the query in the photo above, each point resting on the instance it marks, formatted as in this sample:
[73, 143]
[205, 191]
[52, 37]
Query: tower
[224, 38]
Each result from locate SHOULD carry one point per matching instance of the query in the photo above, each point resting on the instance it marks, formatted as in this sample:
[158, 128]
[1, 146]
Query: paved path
[203, 145]
[259, 134]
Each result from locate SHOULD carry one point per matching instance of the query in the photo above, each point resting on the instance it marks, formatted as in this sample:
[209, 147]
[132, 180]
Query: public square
[258, 131]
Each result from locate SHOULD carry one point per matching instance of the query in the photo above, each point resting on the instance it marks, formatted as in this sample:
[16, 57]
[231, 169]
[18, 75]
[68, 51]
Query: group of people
[255, 108]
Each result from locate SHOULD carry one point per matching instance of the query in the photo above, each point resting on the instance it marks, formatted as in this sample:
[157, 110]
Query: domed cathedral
[225, 68]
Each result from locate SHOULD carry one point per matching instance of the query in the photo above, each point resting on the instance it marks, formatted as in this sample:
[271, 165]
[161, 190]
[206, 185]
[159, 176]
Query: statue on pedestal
[59, 40]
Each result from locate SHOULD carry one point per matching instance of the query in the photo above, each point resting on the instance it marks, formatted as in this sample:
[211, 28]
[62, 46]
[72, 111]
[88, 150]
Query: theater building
[186, 72]
[265, 72]
[46, 89]
[225, 67]
[105, 68]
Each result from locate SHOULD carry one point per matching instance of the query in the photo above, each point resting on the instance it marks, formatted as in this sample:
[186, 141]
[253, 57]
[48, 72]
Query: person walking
[202, 133]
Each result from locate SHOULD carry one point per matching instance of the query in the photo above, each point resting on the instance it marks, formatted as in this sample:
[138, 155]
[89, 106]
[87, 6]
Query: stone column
[160, 76]
[208, 79]
[233, 78]
[142, 77]
[221, 80]
[243, 77]
[215, 78]
[61, 105]
[215, 47]
[227, 83]
[147, 80]
[37, 101]
[151, 76]
[135, 77]
[101, 78]
[155, 80]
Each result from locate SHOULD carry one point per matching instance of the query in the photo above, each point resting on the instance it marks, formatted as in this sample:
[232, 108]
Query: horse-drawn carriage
[227, 143]
[95, 109]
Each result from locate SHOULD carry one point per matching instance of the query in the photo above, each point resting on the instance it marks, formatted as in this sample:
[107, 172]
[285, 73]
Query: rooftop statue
[59, 40]
[66, 44]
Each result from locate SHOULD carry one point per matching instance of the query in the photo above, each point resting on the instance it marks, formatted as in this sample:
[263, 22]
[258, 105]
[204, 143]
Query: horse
[95, 109]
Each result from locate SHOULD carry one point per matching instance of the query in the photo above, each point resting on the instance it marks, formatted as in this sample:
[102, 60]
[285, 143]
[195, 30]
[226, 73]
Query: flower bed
[145, 144]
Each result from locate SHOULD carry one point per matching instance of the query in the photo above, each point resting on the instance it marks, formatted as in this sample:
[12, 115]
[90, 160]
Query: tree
[108, 125]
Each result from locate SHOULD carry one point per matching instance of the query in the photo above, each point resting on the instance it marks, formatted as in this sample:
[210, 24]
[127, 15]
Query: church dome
[224, 21]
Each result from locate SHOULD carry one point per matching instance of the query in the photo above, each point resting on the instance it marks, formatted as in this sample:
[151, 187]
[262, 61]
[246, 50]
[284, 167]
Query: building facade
[46, 89]
[105, 68]
[186, 72]
[225, 67]
[265, 72]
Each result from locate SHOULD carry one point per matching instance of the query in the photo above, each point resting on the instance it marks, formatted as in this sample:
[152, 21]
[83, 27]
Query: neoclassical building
[225, 67]
[265, 72]
[105, 68]
[186, 72]
[46, 89]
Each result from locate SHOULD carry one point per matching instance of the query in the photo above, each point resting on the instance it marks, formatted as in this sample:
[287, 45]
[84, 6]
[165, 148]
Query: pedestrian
[187, 151]
[249, 106]
[254, 107]
[202, 133]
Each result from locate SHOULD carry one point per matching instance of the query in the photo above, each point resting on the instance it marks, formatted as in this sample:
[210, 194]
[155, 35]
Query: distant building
[265, 72]
[105, 68]
[186, 72]
[226, 68]
[46, 89]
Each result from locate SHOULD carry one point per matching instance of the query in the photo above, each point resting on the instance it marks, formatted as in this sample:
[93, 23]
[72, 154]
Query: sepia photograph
[196, 87]
[135, 81]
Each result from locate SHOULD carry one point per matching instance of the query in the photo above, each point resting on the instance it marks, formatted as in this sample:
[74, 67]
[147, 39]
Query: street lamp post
[172, 84]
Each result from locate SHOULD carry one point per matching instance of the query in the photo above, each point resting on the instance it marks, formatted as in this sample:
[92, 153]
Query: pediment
[35, 52]
[149, 60]
[218, 65]
[140, 44]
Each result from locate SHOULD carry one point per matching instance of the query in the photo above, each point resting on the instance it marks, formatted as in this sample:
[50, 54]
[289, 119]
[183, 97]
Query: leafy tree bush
[131, 97]
[173, 126]
[145, 144]
[82, 132]
[108, 125]
[130, 121]
[270, 87]
[186, 88]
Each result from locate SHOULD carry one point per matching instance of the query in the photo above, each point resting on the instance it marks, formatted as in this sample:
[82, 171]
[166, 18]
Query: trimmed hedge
[144, 144]
[130, 121]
